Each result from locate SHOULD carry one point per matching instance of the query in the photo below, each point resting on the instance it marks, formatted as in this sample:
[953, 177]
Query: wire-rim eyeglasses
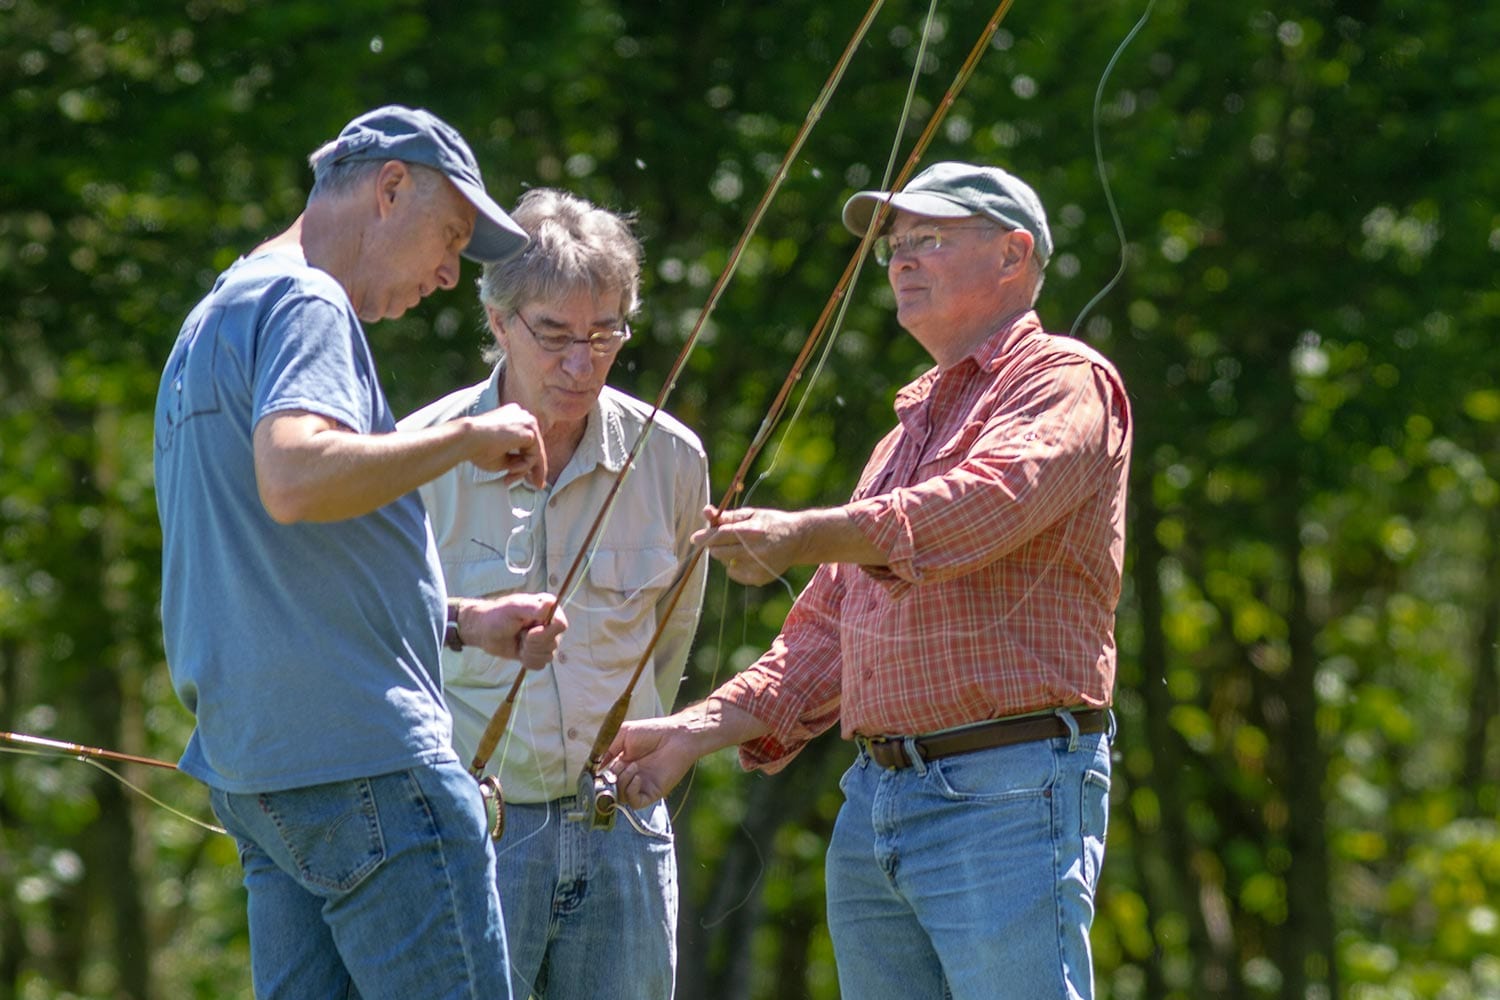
[601, 342]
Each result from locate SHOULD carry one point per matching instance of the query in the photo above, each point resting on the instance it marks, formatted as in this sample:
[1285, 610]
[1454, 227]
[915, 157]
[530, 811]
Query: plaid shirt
[1000, 504]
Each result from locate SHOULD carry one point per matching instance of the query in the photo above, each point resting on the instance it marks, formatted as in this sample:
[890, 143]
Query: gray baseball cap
[951, 190]
[415, 135]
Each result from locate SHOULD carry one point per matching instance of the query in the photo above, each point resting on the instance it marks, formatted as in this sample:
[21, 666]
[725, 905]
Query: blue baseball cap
[951, 190]
[414, 135]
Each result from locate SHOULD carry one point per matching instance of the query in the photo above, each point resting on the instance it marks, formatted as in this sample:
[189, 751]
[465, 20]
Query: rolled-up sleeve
[1010, 475]
[794, 688]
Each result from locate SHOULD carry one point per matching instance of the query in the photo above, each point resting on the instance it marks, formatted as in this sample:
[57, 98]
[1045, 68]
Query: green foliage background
[1309, 778]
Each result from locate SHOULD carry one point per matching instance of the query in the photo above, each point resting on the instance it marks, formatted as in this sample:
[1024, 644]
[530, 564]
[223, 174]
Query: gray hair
[1039, 276]
[337, 179]
[575, 246]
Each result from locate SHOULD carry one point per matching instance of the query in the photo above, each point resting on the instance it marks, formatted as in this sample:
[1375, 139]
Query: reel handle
[598, 800]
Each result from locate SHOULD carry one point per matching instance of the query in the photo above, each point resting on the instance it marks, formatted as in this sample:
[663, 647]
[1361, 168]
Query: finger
[538, 470]
[749, 572]
[736, 516]
[537, 648]
[728, 552]
[716, 540]
[639, 790]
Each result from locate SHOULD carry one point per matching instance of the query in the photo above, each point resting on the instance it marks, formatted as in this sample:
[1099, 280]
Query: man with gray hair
[589, 911]
[960, 626]
[302, 601]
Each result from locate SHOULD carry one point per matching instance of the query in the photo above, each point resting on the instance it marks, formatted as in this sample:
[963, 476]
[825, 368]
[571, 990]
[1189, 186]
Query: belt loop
[1072, 724]
[909, 747]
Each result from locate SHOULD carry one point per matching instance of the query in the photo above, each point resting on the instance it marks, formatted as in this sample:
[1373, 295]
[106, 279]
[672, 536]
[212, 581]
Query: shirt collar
[987, 356]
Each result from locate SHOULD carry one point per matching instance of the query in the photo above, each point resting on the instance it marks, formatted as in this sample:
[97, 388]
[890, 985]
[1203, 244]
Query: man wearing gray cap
[959, 627]
[302, 601]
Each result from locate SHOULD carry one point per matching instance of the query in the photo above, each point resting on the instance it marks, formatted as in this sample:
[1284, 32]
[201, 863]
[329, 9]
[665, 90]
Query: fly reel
[494, 805]
[598, 800]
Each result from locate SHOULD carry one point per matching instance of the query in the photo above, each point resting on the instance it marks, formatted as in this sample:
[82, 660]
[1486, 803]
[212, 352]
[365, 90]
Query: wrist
[716, 723]
[452, 635]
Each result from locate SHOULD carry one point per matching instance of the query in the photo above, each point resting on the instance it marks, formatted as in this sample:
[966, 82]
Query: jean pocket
[1094, 819]
[332, 832]
[653, 821]
[1022, 771]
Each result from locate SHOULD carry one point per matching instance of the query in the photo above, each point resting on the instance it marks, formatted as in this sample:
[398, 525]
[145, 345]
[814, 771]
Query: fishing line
[1099, 164]
[838, 321]
[51, 755]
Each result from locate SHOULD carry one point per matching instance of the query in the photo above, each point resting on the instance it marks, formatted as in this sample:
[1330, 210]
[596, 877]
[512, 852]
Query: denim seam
[370, 816]
[1057, 876]
[471, 972]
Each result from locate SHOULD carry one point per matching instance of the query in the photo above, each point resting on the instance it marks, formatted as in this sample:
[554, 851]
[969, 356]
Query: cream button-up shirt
[496, 539]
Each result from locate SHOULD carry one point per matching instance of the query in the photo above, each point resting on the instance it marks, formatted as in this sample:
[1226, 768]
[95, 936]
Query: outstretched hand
[648, 758]
[755, 544]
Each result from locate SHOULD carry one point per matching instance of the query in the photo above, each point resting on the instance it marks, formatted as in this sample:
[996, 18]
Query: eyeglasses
[601, 342]
[915, 242]
[520, 547]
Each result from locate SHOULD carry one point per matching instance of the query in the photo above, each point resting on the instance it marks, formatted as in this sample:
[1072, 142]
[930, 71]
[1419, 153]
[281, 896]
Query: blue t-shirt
[307, 652]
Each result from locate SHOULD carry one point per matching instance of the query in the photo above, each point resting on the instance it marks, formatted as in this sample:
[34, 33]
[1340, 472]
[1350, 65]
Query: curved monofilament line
[1109, 197]
[498, 722]
[877, 222]
[885, 185]
[37, 746]
[616, 715]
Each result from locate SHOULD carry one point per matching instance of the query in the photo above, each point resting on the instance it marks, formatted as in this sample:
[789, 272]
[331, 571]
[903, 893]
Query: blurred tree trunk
[102, 653]
[713, 938]
[1194, 890]
[1309, 955]
[12, 943]
[1481, 796]
[717, 941]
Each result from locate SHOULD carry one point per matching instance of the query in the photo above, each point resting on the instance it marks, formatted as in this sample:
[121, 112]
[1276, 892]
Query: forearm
[829, 536]
[714, 724]
[329, 473]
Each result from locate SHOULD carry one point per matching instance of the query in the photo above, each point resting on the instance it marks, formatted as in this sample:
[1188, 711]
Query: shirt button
[562, 657]
[572, 733]
[552, 579]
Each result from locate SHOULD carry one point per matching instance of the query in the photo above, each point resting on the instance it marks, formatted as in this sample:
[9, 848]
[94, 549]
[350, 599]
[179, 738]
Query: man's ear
[388, 183]
[497, 329]
[1018, 246]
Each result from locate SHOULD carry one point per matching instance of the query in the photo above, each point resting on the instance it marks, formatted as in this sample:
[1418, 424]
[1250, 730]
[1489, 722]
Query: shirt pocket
[952, 451]
[626, 584]
[476, 571]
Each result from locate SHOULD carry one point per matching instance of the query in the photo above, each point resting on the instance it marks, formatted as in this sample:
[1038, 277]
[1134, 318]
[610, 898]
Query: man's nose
[578, 357]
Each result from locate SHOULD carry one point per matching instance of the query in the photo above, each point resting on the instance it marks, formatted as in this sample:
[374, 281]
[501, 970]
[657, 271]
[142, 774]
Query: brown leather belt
[890, 751]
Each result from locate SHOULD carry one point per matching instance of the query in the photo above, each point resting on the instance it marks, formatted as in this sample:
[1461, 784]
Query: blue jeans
[972, 876]
[376, 887]
[589, 914]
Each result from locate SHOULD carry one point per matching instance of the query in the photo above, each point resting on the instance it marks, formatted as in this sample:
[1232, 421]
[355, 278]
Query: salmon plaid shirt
[999, 501]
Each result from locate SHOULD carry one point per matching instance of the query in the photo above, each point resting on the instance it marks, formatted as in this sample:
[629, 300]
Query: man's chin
[388, 312]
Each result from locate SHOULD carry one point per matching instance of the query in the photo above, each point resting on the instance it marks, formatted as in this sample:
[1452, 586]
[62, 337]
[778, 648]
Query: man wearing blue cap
[302, 601]
[960, 626]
